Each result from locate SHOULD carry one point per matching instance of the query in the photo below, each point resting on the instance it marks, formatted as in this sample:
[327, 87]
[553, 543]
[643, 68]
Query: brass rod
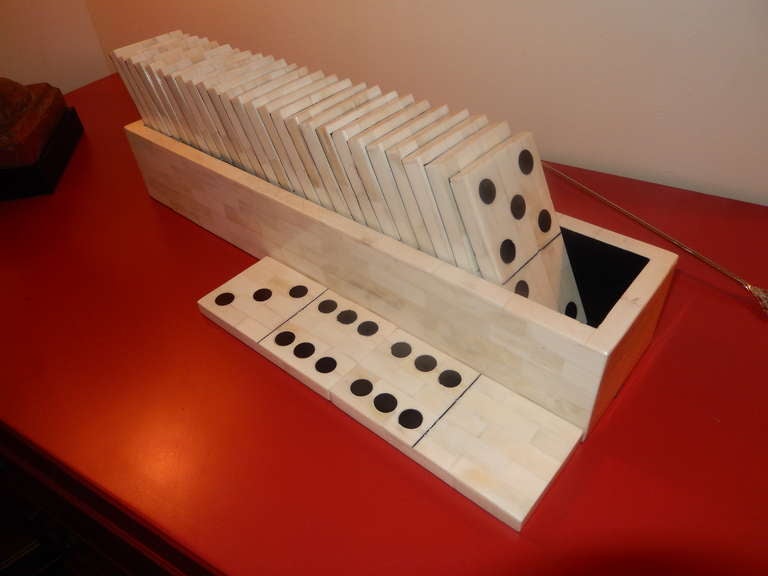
[760, 294]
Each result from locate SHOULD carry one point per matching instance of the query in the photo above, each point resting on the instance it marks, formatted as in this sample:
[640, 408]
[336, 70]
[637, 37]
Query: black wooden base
[42, 176]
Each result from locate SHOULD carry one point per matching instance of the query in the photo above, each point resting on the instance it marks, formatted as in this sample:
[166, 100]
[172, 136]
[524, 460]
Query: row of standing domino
[451, 184]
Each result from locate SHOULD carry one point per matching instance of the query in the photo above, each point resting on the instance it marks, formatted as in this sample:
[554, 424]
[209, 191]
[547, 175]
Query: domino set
[489, 443]
[441, 301]
[452, 185]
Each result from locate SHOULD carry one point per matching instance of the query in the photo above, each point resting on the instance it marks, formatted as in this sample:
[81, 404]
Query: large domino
[145, 65]
[401, 388]
[498, 449]
[256, 110]
[198, 112]
[279, 117]
[395, 154]
[223, 96]
[307, 356]
[217, 89]
[414, 166]
[172, 80]
[242, 106]
[292, 93]
[197, 86]
[259, 299]
[128, 61]
[166, 77]
[343, 200]
[496, 194]
[341, 136]
[119, 56]
[448, 164]
[325, 130]
[132, 67]
[212, 106]
[208, 111]
[492, 445]
[235, 98]
[385, 179]
[362, 163]
[293, 123]
[174, 60]
[507, 217]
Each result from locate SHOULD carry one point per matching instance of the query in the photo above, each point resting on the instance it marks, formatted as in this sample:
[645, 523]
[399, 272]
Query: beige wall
[50, 41]
[669, 91]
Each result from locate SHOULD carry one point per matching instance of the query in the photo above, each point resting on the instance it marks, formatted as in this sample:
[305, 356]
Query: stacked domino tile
[451, 184]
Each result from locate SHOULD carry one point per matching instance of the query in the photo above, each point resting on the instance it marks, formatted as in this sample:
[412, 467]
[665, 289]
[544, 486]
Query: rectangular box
[570, 368]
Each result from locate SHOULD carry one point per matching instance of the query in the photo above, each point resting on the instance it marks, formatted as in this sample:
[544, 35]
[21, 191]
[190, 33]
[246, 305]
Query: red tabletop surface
[109, 369]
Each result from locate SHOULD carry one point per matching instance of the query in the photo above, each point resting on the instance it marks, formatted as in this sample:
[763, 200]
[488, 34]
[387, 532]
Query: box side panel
[629, 349]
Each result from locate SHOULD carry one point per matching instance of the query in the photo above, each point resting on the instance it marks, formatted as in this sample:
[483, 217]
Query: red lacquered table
[192, 446]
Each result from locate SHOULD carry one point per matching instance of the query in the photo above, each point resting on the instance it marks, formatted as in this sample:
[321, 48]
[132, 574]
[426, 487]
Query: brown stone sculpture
[28, 117]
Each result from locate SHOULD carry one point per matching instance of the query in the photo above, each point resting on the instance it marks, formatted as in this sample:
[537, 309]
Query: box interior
[603, 273]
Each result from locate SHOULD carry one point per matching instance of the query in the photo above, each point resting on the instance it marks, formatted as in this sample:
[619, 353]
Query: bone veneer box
[572, 369]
